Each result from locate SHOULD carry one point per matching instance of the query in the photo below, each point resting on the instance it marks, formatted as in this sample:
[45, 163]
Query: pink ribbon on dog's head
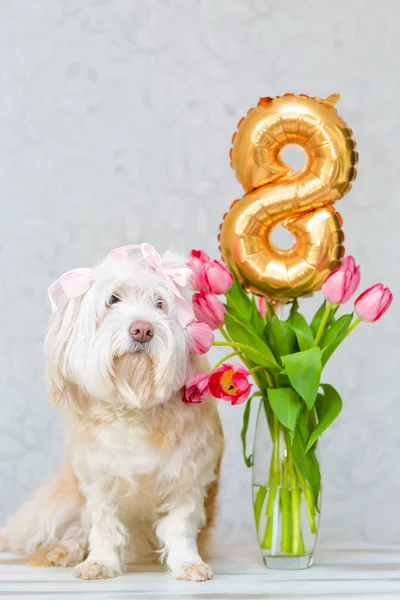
[73, 284]
[121, 252]
[76, 283]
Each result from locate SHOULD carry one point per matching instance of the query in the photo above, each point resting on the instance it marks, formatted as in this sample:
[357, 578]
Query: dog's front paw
[89, 569]
[65, 555]
[194, 572]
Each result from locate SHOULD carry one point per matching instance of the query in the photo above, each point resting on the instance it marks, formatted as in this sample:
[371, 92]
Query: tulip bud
[197, 261]
[372, 303]
[196, 390]
[218, 279]
[201, 336]
[261, 306]
[208, 309]
[341, 283]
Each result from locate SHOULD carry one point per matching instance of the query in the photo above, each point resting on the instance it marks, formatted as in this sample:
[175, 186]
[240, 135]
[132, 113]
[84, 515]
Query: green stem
[309, 500]
[230, 342]
[270, 379]
[240, 354]
[273, 483]
[255, 369]
[323, 323]
[297, 537]
[258, 504]
[220, 362]
[240, 345]
[262, 490]
[286, 510]
[352, 327]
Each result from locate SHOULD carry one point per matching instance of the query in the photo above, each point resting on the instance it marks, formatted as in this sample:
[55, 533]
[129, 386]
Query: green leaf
[286, 404]
[249, 460]
[316, 322]
[302, 330]
[304, 372]
[303, 427]
[334, 336]
[334, 330]
[334, 311]
[238, 299]
[282, 380]
[307, 464]
[245, 334]
[280, 337]
[328, 406]
[256, 319]
[235, 311]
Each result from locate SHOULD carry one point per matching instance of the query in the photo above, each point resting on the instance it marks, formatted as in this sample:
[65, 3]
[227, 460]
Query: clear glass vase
[286, 511]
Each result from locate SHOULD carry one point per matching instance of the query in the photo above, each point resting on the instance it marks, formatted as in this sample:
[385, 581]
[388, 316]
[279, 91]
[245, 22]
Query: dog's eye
[159, 304]
[113, 300]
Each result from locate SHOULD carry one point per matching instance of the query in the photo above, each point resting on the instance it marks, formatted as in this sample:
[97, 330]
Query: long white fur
[142, 460]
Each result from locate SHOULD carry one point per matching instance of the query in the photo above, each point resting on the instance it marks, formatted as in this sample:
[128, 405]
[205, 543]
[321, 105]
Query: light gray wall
[115, 125]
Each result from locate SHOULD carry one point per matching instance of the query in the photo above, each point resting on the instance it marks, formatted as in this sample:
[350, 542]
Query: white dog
[143, 472]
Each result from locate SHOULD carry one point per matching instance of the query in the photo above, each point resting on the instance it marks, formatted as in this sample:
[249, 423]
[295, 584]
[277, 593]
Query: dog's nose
[141, 331]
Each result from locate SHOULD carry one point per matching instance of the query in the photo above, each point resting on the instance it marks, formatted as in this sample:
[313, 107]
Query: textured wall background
[115, 125]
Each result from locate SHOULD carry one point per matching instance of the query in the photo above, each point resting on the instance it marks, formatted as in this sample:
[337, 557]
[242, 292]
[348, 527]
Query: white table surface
[372, 573]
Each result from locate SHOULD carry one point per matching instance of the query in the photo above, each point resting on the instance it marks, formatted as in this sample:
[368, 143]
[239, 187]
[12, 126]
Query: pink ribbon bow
[72, 284]
[76, 283]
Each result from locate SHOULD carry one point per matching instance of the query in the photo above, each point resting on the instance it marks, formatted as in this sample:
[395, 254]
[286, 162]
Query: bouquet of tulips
[285, 358]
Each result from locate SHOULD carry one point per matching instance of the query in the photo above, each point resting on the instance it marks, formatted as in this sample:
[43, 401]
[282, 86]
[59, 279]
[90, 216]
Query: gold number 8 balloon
[302, 202]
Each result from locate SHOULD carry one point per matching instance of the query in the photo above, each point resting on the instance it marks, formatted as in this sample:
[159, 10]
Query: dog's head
[121, 338]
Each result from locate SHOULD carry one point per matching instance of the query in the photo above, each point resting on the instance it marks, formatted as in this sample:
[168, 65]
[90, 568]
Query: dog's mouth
[137, 347]
[134, 377]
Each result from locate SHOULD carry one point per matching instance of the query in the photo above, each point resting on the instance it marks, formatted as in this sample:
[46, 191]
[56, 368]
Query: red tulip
[341, 283]
[208, 309]
[201, 337]
[371, 304]
[196, 390]
[197, 260]
[217, 277]
[229, 382]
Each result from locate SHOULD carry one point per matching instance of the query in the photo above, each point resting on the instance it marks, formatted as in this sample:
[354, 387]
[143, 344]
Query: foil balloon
[302, 202]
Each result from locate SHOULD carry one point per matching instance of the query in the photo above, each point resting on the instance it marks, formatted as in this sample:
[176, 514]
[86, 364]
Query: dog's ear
[71, 373]
[59, 336]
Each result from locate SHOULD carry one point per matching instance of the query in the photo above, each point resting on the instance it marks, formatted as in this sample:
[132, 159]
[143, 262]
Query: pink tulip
[201, 337]
[371, 304]
[197, 260]
[217, 277]
[261, 306]
[229, 382]
[196, 390]
[208, 309]
[341, 283]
